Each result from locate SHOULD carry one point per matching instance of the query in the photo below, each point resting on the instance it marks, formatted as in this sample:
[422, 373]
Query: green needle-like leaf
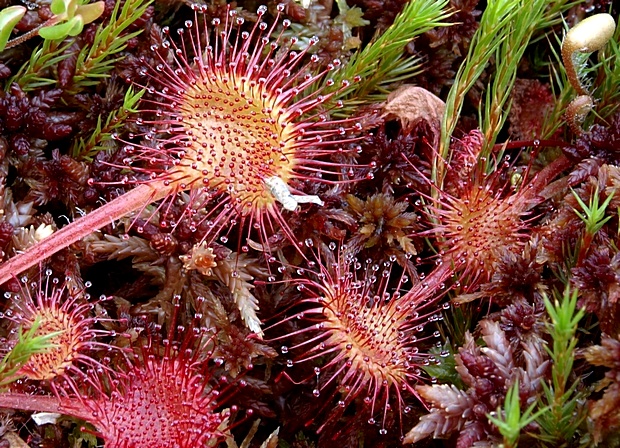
[593, 214]
[511, 421]
[382, 62]
[28, 344]
[563, 401]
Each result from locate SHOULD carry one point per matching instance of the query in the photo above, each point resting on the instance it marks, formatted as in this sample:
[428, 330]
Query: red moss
[598, 279]
[532, 102]
[60, 179]
[383, 224]
[605, 420]
[487, 373]
[517, 277]
[25, 118]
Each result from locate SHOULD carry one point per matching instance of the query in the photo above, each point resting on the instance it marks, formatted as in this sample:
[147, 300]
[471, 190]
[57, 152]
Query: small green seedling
[566, 404]
[593, 215]
[70, 17]
[9, 17]
[510, 421]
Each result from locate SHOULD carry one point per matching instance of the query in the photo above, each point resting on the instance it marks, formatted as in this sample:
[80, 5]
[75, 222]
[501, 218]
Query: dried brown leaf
[411, 105]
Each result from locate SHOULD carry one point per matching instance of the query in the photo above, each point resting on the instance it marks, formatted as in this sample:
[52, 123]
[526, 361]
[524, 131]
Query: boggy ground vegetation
[309, 223]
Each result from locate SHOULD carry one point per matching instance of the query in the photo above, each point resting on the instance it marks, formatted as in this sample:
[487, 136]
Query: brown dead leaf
[411, 105]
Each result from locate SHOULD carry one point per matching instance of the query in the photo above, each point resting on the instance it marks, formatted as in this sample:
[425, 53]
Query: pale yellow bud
[589, 35]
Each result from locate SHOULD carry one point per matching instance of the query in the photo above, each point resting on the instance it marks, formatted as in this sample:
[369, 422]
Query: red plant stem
[516, 144]
[543, 178]
[136, 199]
[30, 34]
[584, 249]
[35, 403]
[42, 403]
[429, 285]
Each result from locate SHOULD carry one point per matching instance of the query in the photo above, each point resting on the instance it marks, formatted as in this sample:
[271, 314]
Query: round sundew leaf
[255, 119]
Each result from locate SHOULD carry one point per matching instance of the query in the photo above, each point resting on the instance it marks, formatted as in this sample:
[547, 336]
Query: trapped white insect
[281, 193]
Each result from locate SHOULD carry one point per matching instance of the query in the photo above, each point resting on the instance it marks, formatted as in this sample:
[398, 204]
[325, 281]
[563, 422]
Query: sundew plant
[309, 223]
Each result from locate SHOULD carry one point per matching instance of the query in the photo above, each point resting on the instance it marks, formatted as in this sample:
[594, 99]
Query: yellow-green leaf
[9, 17]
